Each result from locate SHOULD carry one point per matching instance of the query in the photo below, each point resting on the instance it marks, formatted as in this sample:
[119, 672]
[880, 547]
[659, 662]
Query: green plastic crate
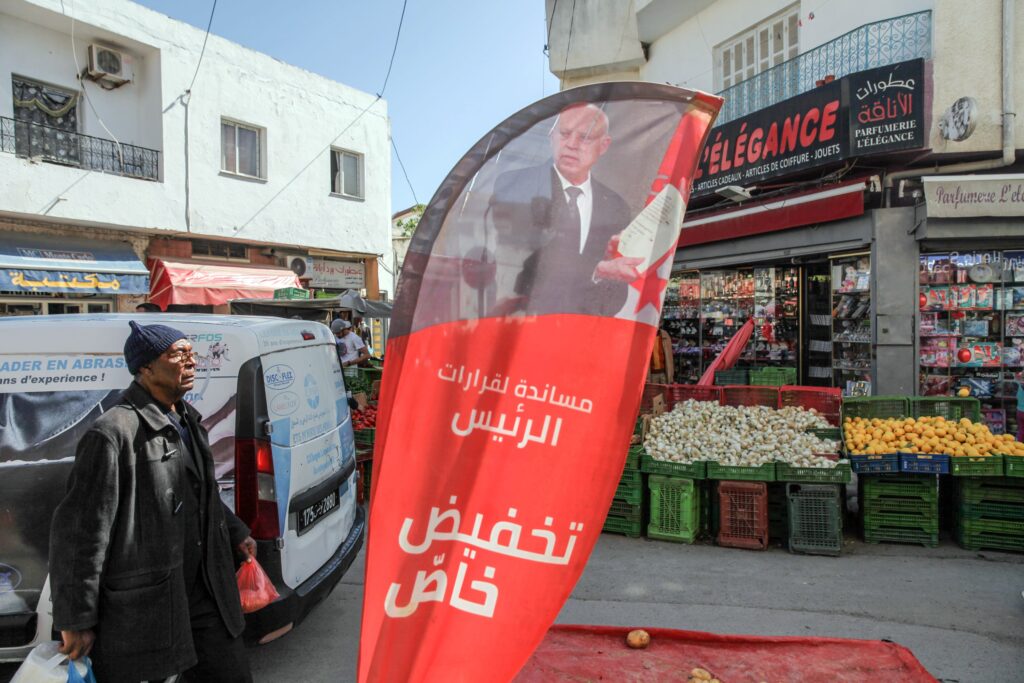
[1014, 465]
[674, 509]
[631, 487]
[764, 472]
[371, 375]
[999, 511]
[985, 466]
[904, 520]
[990, 490]
[901, 535]
[987, 540]
[693, 470]
[1006, 527]
[828, 434]
[773, 377]
[840, 474]
[948, 407]
[633, 457]
[871, 407]
[733, 376]
[815, 521]
[902, 485]
[364, 437]
[625, 510]
[619, 525]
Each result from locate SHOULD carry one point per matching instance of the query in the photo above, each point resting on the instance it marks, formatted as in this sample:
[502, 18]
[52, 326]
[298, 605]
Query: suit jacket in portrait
[527, 207]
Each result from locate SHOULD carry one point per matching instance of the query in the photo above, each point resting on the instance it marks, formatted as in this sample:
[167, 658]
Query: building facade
[131, 175]
[859, 195]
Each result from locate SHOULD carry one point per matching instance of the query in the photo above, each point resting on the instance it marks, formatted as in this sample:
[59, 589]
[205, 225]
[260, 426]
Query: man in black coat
[567, 223]
[141, 567]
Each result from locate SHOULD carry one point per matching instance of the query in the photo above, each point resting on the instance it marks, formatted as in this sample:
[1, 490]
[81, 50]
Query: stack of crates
[743, 514]
[901, 508]
[625, 516]
[815, 519]
[990, 513]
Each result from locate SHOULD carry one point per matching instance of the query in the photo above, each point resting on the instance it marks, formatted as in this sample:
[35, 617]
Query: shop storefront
[43, 274]
[971, 292]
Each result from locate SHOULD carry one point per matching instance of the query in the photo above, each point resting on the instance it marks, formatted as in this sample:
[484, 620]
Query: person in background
[351, 349]
[141, 567]
[147, 307]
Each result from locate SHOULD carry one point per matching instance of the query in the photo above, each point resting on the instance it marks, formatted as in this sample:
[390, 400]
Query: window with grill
[346, 173]
[223, 250]
[240, 149]
[758, 49]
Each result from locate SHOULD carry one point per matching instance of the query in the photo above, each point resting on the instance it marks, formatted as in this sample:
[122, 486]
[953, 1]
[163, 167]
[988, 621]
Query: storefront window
[681, 319]
[971, 329]
[852, 334]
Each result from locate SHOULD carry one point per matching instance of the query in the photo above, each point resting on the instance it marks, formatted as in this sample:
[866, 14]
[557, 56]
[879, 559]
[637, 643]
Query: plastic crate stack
[743, 514]
[990, 513]
[625, 516]
[815, 518]
[901, 508]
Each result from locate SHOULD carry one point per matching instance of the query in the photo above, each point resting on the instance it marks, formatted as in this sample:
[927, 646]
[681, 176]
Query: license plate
[309, 516]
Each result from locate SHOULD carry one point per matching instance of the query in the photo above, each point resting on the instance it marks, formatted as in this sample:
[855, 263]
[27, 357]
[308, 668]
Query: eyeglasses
[180, 357]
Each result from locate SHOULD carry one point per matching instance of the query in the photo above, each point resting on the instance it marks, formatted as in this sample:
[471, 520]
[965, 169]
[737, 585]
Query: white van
[273, 400]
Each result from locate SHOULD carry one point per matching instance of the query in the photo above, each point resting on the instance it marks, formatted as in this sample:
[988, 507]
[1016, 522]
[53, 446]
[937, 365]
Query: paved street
[960, 612]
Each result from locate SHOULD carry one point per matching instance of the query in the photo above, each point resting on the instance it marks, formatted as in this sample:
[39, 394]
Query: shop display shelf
[625, 510]
[736, 396]
[773, 377]
[825, 400]
[765, 472]
[1014, 465]
[984, 466]
[1000, 511]
[674, 509]
[619, 525]
[875, 464]
[871, 407]
[693, 470]
[364, 437]
[990, 490]
[633, 457]
[697, 392]
[733, 376]
[944, 406]
[743, 515]
[840, 474]
[815, 519]
[924, 463]
[901, 535]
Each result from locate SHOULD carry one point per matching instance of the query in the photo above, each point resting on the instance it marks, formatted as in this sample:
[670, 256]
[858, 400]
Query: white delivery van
[273, 400]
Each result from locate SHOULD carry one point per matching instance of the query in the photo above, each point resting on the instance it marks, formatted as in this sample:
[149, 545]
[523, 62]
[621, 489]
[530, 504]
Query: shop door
[816, 346]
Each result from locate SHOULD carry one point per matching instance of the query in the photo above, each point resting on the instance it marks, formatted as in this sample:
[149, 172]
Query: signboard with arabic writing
[887, 108]
[71, 282]
[337, 274]
[869, 112]
[524, 321]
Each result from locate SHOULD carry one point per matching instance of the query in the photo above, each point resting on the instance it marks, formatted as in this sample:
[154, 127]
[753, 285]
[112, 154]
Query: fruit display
[932, 435]
[747, 436]
[364, 419]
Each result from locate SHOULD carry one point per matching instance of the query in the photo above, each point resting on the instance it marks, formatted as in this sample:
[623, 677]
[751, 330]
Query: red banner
[524, 321]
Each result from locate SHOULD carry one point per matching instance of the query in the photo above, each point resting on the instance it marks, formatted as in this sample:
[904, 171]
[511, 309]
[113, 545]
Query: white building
[218, 191]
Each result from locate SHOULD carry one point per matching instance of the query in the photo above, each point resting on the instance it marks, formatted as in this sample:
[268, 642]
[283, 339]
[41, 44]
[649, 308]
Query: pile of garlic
[744, 436]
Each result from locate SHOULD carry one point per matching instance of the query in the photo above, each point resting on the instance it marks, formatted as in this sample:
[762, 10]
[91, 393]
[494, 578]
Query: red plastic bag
[254, 586]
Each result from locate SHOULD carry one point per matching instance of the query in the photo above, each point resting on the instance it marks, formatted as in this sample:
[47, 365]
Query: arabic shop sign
[337, 274]
[869, 112]
[886, 111]
[972, 196]
[61, 282]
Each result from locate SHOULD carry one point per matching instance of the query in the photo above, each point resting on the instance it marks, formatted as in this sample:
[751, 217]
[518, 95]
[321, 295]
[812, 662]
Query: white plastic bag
[46, 665]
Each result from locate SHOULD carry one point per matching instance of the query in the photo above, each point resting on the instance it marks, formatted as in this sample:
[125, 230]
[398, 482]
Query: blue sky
[462, 65]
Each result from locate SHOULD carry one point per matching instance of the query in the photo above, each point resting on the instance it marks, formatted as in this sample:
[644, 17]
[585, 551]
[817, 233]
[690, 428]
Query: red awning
[194, 282]
[806, 208]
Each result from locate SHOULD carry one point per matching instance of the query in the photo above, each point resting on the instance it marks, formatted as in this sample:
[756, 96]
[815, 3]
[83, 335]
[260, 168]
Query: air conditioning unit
[300, 264]
[107, 64]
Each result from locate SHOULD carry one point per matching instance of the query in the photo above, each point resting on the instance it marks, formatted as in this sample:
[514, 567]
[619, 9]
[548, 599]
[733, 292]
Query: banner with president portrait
[525, 316]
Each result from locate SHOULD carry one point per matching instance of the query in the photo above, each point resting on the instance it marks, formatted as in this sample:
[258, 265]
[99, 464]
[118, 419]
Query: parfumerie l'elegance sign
[968, 196]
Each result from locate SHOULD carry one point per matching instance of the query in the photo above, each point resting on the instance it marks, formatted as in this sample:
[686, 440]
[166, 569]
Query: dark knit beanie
[146, 343]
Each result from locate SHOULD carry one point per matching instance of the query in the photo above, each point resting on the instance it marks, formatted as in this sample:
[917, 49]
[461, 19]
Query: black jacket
[116, 542]
[555, 277]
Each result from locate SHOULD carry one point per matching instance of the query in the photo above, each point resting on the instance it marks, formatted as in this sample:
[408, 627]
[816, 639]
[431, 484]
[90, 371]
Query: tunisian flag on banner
[524, 320]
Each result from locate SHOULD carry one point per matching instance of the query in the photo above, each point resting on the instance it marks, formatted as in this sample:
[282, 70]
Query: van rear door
[313, 455]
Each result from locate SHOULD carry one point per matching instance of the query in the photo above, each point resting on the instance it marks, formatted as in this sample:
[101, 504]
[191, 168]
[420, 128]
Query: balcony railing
[27, 139]
[884, 42]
